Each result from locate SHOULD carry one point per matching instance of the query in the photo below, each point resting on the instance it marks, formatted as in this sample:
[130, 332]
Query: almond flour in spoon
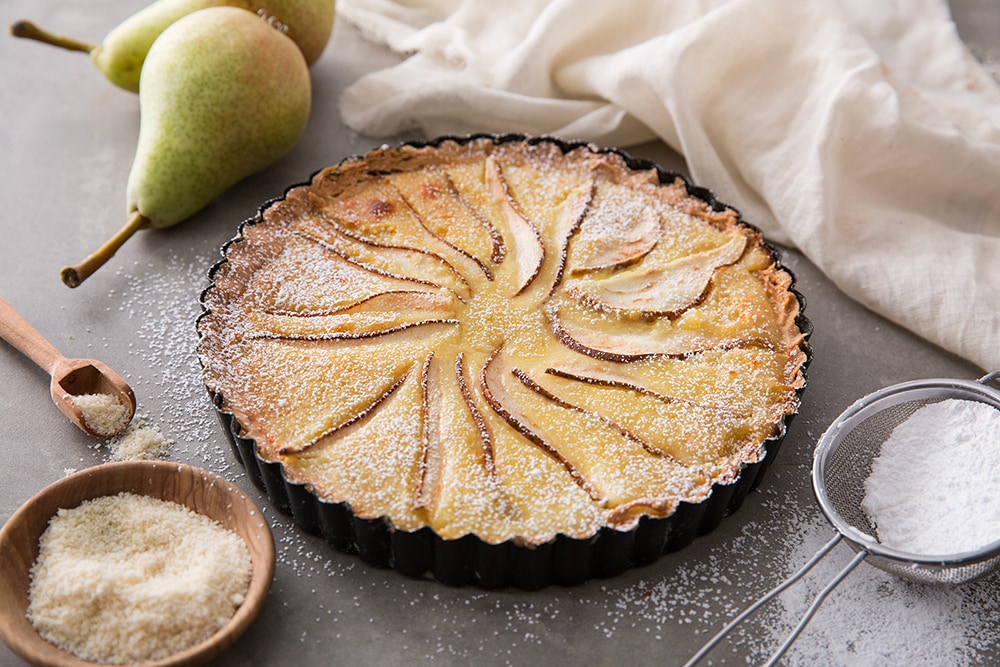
[103, 414]
[935, 487]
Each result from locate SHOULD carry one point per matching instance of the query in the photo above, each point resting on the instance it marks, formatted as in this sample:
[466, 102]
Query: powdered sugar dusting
[874, 618]
[327, 349]
[871, 619]
[166, 304]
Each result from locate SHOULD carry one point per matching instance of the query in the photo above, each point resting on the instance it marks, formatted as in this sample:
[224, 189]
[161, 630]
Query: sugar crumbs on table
[934, 489]
[128, 578]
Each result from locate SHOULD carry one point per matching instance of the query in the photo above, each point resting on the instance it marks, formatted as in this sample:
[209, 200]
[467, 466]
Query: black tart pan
[469, 560]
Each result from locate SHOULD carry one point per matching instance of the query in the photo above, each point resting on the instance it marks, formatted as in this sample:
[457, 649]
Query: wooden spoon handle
[15, 330]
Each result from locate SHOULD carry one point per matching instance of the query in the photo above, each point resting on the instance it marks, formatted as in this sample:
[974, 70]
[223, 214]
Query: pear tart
[502, 360]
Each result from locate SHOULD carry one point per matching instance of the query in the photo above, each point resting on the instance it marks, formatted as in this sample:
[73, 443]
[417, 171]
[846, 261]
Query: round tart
[503, 360]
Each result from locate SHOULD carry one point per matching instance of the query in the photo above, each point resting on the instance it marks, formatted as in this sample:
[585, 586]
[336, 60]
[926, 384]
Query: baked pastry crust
[509, 340]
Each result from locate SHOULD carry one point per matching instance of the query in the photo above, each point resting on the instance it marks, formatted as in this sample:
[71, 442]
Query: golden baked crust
[508, 339]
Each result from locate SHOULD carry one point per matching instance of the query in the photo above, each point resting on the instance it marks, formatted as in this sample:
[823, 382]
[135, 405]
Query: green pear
[120, 56]
[223, 94]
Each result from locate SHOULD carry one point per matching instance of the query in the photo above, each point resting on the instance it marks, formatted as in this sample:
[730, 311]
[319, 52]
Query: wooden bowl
[200, 490]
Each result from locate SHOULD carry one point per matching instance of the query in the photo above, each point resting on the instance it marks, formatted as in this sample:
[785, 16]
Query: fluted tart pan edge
[470, 560]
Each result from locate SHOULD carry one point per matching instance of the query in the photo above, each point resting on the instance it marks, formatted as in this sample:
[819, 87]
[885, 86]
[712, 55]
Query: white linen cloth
[861, 132]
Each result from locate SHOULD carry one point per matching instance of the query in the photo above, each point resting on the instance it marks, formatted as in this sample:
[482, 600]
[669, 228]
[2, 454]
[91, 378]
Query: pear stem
[72, 276]
[29, 30]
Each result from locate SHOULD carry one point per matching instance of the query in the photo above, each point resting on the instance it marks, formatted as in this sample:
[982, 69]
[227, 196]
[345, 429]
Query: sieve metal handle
[804, 621]
[989, 377]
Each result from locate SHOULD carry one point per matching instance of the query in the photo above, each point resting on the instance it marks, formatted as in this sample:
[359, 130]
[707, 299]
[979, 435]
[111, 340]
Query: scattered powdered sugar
[934, 489]
[166, 305]
[871, 619]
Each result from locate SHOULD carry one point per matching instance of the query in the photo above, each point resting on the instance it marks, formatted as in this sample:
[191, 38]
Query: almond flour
[139, 442]
[104, 414]
[127, 578]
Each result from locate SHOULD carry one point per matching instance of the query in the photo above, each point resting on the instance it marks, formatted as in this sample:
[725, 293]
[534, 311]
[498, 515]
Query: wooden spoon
[70, 377]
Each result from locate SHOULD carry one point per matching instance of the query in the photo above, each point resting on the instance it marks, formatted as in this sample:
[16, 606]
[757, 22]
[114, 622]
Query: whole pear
[121, 54]
[222, 95]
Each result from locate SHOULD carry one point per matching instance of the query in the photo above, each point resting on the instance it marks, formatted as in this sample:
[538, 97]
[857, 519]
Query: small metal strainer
[841, 464]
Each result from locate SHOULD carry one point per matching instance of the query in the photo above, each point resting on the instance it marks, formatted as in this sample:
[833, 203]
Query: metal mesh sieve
[841, 464]
[843, 461]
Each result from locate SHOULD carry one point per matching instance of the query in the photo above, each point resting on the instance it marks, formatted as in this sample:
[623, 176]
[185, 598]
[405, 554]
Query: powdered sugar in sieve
[900, 474]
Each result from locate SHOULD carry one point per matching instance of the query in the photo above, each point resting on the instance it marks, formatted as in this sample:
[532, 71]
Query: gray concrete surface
[66, 142]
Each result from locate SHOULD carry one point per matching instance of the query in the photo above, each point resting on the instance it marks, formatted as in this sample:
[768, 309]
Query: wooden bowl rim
[244, 518]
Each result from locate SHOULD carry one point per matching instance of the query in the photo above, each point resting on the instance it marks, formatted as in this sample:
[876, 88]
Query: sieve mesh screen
[844, 459]
[849, 461]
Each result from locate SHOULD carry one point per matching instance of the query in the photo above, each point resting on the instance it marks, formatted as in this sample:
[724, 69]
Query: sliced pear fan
[511, 340]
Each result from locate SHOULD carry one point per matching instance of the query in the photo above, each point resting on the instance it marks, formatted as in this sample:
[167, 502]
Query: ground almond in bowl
[127, 578]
